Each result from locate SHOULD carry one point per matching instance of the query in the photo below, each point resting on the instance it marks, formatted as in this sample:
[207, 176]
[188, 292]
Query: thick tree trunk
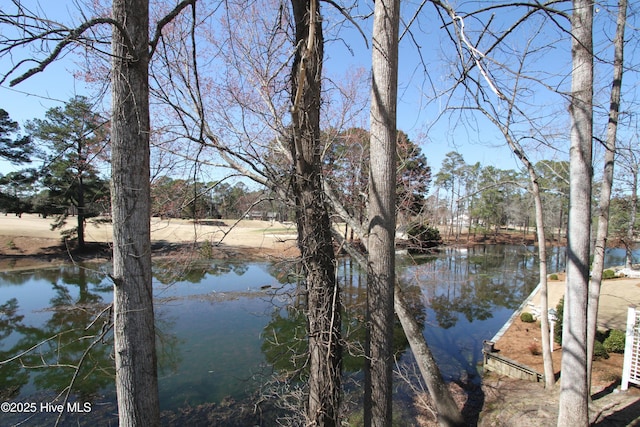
[314, 228]
[134, 333]
[382, 215]
[606, 185]
[574, 392]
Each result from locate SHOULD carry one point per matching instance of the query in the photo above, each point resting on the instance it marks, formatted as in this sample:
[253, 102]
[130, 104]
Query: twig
[73, 36]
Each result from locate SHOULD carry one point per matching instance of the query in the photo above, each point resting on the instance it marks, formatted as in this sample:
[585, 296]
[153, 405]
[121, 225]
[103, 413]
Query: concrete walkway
[616, 295]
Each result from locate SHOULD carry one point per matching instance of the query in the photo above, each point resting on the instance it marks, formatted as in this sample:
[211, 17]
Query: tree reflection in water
[50, 354]
[460, 297]
[284, 336]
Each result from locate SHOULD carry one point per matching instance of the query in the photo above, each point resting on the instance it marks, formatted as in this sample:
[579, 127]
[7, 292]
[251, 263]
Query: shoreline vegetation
[29, 239]
[28, 243]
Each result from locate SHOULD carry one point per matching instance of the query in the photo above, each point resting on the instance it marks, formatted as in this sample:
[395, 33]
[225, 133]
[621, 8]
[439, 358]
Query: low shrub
[614, 343]
[608, 274]
[599, 352]
[527, 317]
[206, 250]
[557, 329]
[553, 277]
[611, 377]
[602, 335]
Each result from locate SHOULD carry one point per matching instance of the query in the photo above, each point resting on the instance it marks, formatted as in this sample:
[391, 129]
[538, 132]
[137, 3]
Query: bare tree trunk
[560, 225]
[632, 220]
[545, 334]
[517, 149]
[447, 411]
[605, 188]
[574, 391]
[314, 228]
[81, 210]
[134, 332]
[382, 215]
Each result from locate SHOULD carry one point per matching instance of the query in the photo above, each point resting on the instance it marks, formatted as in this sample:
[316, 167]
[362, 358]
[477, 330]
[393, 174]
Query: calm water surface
[223, 326]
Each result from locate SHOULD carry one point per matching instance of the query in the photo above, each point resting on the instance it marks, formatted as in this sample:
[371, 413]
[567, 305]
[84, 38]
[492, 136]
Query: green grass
[276, 230]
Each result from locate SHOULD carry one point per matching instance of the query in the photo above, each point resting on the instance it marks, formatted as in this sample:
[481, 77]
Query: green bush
[557, 330]
[527, 317]
[553, 277]
[608, 274]
[422, 238]
[206, 250]
[599, 352]
[614, 343]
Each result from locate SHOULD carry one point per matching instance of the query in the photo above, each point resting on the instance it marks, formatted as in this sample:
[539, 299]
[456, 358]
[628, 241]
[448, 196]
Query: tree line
[471, 198]
[485, 200]
[250, 94]
[73, 148]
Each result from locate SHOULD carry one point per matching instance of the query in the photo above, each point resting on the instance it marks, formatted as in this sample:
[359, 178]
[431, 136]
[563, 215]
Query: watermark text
[44, 407]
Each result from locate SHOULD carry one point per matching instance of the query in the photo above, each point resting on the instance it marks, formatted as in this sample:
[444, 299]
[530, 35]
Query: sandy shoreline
[247, 232]
[28, 242]
[25, 236]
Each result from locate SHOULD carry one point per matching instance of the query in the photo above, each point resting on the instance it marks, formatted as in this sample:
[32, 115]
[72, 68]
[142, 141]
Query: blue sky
[416, 117]
[420, 113]
[51, 88]
[56, 85]
[32, 98]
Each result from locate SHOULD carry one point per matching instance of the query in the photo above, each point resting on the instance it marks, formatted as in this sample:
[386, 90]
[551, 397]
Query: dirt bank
[29, 242]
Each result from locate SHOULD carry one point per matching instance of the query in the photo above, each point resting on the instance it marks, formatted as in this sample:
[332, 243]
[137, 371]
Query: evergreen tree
[347, 166]
[16, 150]
[76, 138]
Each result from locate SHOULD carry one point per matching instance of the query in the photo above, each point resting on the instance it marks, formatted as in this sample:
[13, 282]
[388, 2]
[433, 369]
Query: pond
[225, 329]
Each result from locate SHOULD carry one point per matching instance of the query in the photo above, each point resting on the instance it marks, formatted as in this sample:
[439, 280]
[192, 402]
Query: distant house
[257, 215]
[263, 216]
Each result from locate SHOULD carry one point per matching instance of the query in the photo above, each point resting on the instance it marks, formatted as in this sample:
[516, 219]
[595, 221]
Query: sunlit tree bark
[134, 331]
[606, 185]
[574, 392]
[448, 414]
[382, 215]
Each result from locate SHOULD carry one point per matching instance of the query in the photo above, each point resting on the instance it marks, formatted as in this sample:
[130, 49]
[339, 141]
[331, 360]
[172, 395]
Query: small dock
[493, 362]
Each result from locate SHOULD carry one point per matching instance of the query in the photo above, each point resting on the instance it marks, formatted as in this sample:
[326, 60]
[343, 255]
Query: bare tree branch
[73, 36]
[167, 19]
[350, 19]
